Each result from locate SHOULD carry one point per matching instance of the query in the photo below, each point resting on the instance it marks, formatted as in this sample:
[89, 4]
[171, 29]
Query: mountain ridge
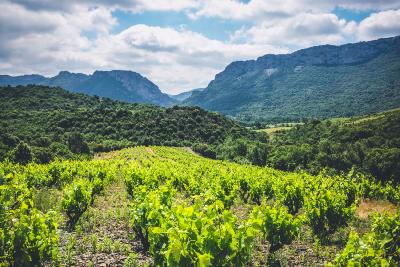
[307, 82]
[120, 85]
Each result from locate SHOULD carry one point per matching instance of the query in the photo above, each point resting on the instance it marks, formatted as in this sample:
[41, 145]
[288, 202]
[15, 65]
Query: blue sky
[178, 44]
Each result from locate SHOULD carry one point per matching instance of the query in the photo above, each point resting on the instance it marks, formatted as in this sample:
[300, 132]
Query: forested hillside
[40, 123]
[318, 82]
[370, 144]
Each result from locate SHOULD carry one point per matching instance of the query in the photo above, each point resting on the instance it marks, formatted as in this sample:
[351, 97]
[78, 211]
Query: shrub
[277, 225]
[77, 144]
[291, 195]
[77, 199]
[35, 238]
[205, 150]
[201, 235]
[327, 211]
[380, 247]
[22, 154]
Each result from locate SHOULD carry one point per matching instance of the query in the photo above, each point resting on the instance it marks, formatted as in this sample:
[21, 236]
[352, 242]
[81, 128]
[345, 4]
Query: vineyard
[160, 206]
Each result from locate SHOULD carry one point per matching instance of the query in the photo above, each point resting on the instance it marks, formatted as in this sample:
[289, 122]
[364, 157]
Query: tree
[77, 145]
[22, 153]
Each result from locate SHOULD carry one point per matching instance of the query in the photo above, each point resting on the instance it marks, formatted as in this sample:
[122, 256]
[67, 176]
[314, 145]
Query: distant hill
[184, 95]
[46, 118]
[320, 82]
[121, 85]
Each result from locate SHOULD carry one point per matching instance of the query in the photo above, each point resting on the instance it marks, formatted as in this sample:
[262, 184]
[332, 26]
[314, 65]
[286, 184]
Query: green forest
[39, 123]
[369, 144]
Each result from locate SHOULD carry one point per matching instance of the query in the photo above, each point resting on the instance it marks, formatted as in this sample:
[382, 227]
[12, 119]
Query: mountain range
[121, 85]
[184, 95]
[317, 82]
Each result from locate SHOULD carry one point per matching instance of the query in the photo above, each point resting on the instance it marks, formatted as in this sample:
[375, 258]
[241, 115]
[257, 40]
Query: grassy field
[274, 128]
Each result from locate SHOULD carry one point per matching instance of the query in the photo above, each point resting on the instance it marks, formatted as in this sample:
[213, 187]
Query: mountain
[320, 82]
[121, 85]
[21, 80]
[184, 95]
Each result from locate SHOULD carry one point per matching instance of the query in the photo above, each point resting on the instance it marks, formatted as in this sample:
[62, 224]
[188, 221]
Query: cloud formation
[39, 36]
[378, 25]
[273, 9]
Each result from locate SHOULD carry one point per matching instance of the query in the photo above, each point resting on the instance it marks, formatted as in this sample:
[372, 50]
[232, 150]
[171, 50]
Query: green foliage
[328, 209]
[182, 208]
[368, 144]
[35, 239]
[243, 151]
[22, 153]
[201, 235]
[148, 210]
[77, 144]
[56, 123]
[277, 225]
[77, 198]
[28, 237]
[205, 150]
[387, 229]
[291, 194]
[186, 210]
[311, 83]
[380, 247]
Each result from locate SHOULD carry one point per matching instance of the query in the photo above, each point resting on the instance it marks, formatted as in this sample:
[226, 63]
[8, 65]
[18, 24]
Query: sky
[177, 44]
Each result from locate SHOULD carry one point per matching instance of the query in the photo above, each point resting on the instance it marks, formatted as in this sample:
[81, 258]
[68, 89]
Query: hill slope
[370, 144]
[45, 118]
[322, 81]
[121, 85]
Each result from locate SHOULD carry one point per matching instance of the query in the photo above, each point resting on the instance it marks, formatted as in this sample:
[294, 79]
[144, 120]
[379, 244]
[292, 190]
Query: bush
[35, 239]
[76, 200]
[77, 145]
[277, 225]
[380, 247]
[291, 195]
[22, 154]
[28, 237]
[201, 235]
[327, 211]
[205, 150]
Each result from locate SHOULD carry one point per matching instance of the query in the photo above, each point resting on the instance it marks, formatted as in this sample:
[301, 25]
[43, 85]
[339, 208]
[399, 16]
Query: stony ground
[103, 236]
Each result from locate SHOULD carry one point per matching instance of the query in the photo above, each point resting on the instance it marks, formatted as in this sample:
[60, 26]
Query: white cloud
[174, 59]
[46, 36]
[253, 10]
[365, 5]
[262, 10]
[45, 41]
[382, 24]
[302, 30]
[133, 5]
